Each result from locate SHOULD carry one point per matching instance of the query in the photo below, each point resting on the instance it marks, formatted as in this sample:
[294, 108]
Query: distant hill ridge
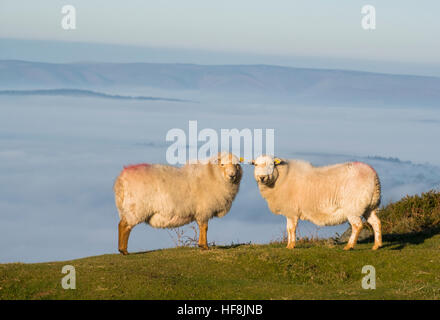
[82, 93]
[301, 84]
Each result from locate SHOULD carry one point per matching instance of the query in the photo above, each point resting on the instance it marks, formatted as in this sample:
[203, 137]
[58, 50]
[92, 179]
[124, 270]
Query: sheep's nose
[232, 175]
[262, 178]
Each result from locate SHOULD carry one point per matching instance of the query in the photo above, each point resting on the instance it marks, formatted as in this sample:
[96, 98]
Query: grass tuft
[412, 214]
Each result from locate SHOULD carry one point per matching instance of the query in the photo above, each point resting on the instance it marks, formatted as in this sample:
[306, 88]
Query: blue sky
[406, 30]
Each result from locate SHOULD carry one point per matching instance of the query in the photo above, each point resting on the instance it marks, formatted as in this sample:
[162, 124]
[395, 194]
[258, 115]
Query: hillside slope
[404, 270]
[303, 84]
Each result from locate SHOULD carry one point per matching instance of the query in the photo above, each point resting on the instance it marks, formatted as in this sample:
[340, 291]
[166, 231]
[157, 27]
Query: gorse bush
[411, 214]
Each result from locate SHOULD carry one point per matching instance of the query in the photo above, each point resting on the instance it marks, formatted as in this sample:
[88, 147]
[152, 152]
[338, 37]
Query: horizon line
[242, 54]
[226, 65]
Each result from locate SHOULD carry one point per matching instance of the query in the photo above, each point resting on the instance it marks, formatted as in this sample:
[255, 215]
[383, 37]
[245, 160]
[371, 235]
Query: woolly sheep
[167, 197]
[327, 195]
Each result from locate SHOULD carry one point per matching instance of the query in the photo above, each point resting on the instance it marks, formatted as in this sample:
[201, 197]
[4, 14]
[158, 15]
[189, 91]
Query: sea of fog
[59, 157]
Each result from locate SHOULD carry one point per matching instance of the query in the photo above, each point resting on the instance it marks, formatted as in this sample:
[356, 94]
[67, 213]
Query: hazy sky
[407, 30]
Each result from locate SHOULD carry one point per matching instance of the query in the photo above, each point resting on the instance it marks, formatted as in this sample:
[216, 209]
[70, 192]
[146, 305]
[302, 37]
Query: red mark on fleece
[136, 166]
[358, 163]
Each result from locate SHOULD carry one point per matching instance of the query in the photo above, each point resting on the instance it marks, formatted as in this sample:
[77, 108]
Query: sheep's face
[265, 171]
[230, 167]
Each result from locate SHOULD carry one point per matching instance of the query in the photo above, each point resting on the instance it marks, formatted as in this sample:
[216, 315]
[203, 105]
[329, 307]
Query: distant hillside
[299, 85]
[81, 93]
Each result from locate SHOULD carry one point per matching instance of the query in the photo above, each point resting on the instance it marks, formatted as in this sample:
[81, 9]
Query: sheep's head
[265, 171]
[229, 166]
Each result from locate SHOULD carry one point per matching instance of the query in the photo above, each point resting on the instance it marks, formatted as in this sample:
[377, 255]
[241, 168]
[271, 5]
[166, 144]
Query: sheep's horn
[248, 162]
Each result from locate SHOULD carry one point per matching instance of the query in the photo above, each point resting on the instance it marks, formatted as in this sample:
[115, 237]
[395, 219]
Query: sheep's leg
[291, 232]
[203, 230]
[356, 226]
[124, 233]
[374, 221]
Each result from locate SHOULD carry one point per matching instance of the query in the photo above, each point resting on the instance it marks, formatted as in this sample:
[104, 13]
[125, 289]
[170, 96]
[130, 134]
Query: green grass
[407, 267]
[316, 270]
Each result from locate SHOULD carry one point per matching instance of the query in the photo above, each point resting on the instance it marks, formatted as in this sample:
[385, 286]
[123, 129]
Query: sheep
[164, 196]
[327, 195]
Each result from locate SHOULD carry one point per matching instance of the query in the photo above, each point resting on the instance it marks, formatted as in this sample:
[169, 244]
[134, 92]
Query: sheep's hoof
[290, 246]
[375, 247]
[123, 251]
[203, 246]
[347, 248]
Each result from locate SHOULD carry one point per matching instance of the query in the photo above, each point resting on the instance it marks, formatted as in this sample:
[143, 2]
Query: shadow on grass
[212, 246]
[398, 241]
[232, 246]
[144, 252]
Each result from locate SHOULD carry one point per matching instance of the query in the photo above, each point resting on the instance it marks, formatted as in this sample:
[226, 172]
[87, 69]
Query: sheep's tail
[118, 188]
[375, 199]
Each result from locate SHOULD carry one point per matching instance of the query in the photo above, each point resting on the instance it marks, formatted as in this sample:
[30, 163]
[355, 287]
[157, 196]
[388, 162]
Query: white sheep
[167, 197]
[327, 195]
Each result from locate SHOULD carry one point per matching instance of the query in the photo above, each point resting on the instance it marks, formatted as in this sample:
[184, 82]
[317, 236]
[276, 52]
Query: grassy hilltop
[407, 267]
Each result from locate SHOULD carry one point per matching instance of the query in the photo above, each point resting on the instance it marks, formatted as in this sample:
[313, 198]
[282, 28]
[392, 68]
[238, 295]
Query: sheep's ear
[277, 161]
[219, 158]
[215, 160]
